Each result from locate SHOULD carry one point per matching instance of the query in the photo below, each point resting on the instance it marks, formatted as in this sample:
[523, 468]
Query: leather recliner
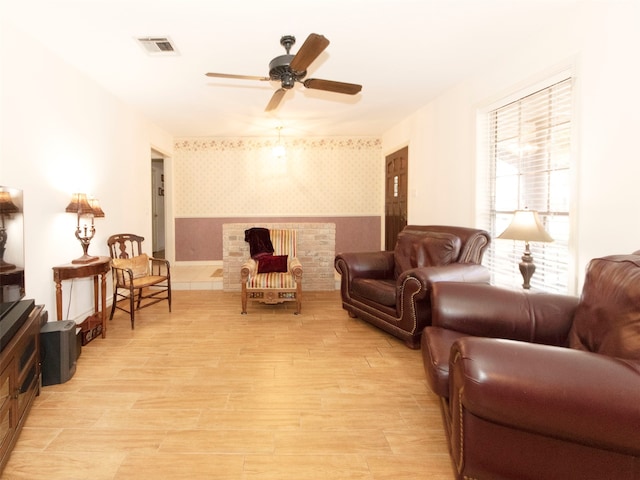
[390, 289]
[539, 385]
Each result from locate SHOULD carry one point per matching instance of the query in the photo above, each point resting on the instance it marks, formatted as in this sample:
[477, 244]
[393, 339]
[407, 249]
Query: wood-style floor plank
[207, 393]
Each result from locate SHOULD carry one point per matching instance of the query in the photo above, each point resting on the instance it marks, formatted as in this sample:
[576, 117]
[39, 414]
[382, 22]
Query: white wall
[600, 44]
[62, 133]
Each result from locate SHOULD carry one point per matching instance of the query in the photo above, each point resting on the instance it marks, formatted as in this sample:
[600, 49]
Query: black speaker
[58, 351]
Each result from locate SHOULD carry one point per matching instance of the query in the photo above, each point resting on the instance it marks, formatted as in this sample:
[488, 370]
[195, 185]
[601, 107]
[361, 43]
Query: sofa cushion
[379, 291]
[438, 249]
[139, 265]
[415, 248]
[607, 320]
[272, 263]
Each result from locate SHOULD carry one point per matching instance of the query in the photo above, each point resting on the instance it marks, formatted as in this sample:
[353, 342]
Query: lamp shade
[7, 206]
[79, 204]
[526, 226]
[95, 208]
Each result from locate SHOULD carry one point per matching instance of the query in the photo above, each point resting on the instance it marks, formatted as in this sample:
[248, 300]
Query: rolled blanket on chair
[259, 241]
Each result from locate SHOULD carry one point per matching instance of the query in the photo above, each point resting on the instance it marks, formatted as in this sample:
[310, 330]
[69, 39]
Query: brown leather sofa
[390, 289]
[555, 394]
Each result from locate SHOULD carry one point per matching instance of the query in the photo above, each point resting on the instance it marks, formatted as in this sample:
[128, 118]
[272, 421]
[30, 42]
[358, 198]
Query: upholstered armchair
[540, 385]
[391, 289]
[274, 273]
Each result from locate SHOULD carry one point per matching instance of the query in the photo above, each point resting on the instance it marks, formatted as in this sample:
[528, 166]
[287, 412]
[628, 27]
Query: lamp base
[84, 259]
[85, 241]
[527, 268]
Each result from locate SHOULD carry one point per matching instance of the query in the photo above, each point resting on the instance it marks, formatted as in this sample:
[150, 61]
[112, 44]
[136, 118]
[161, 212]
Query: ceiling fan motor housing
[279, 69]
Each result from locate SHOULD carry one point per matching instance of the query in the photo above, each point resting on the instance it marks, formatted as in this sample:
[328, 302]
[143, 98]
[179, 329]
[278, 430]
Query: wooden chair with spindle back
[138, 278]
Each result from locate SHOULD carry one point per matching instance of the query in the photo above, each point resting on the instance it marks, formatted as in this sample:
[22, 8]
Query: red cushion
[272, 263]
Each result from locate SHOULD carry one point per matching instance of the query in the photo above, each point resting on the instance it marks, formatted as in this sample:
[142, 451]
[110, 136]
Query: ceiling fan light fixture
[288, 81]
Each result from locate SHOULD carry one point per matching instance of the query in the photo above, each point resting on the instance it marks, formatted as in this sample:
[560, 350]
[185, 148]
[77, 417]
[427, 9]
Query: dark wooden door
[396, 181]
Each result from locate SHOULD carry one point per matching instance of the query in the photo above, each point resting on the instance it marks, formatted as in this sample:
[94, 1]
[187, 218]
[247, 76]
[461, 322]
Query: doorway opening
[158, 205]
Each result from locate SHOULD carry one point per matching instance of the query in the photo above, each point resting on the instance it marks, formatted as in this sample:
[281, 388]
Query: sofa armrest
[122, 277]
[377, 265]
[428, 276]
[489, 311]
[557, 392]
[250, 267]
[454, 272]
[160, 266]
[295, 268]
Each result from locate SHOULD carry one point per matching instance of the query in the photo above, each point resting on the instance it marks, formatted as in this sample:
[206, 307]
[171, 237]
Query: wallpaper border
[223, 144]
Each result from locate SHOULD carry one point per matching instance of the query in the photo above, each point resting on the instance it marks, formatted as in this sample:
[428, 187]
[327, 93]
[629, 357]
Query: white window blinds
[529, 162]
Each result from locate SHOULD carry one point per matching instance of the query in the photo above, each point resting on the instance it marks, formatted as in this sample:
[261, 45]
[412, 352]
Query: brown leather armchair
[390, 289]
[537, 385]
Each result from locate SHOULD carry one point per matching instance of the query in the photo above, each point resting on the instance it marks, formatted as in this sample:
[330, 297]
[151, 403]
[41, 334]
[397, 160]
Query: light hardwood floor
[207, 393]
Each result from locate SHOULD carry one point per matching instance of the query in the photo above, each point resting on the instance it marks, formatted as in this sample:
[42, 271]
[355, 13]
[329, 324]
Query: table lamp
[82, 206]
[526, 226]
[7, 207]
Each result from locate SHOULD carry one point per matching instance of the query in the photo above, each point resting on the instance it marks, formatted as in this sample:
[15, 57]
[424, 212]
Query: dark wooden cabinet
[19, 380]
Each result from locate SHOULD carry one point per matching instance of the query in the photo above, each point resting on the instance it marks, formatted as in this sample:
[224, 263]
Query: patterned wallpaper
[242, 176]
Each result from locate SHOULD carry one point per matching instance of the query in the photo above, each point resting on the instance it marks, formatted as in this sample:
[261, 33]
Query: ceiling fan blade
[313, 46]
[278, 95]
[239, 77]
[331, 86]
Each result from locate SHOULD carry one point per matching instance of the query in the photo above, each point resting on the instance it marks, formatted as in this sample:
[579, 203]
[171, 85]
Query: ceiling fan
[289, 69]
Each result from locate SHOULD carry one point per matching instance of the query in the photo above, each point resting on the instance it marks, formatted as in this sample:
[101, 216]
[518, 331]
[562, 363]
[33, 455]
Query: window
[528, 165]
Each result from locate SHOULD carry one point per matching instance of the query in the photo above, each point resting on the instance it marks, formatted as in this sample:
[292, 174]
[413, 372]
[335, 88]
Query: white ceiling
[403, 52]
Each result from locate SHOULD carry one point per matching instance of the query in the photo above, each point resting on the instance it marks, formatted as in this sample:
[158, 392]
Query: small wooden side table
[95, 269]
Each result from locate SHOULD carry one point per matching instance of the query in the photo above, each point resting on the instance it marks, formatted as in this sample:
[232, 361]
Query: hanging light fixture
[279, 151]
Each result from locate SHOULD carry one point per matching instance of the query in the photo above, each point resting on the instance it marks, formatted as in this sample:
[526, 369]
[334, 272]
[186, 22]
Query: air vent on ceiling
[158, 45]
